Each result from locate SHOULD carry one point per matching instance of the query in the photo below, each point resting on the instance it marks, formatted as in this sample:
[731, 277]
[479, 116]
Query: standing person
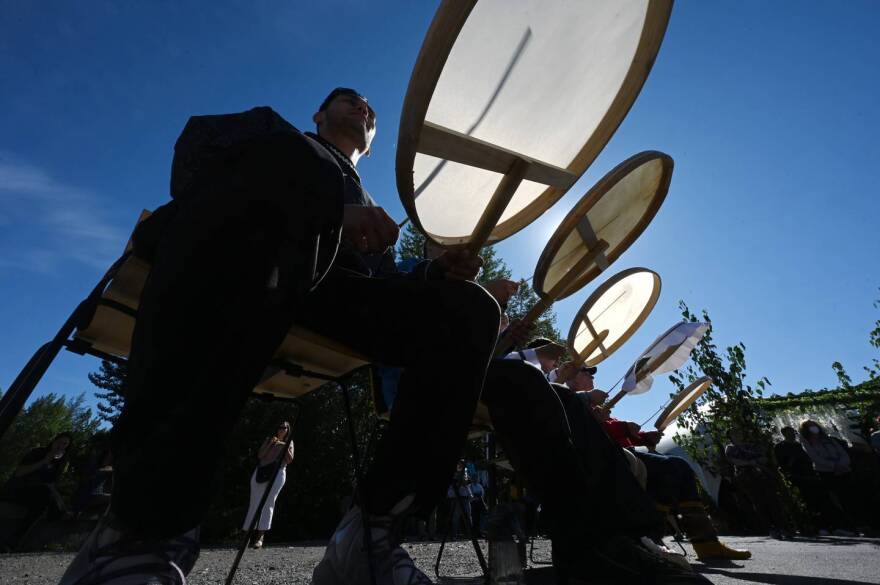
[250, 245]
[33, 485]
[798, 468]
[875, 437]
[478, 504]
[459, 497]
[831, 462]
[267, 457]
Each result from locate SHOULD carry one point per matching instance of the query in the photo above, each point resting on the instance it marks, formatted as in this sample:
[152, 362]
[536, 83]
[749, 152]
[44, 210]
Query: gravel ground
[833, 561]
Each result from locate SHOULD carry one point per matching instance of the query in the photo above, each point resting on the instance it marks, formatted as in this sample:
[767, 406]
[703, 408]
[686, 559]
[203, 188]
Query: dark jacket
[254, 167]
[258, 156]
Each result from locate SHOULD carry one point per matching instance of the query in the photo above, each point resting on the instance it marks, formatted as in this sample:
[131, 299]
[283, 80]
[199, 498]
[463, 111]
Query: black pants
[581, 477]
[167, 475]
[442, 333]
[38, 499]
[841, 486]
[759, 489]
[478, 509]
[670, 479]
[209, 322]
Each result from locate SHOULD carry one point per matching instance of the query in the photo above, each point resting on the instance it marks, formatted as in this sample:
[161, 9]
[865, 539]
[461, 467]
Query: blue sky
[769, 110]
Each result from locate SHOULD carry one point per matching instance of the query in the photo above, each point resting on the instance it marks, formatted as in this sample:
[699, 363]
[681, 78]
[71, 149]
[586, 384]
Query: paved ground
[832, 561]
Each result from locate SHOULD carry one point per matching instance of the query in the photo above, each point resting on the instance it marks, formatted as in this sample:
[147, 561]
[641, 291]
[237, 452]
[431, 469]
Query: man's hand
[519, 333]
[601, 413]
[651, 438]
[459, 264]
[502, 289]
[370, 229]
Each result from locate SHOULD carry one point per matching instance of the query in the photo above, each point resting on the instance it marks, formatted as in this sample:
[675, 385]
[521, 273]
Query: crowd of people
[822, 469]
[269, 226]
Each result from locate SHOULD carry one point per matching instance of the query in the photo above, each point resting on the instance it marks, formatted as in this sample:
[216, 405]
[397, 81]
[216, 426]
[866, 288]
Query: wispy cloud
[46, 222]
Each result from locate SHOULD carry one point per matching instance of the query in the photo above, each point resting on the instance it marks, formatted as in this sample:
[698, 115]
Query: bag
[264, 472]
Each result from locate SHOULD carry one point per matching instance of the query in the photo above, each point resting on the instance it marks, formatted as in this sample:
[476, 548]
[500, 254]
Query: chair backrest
[110, 330]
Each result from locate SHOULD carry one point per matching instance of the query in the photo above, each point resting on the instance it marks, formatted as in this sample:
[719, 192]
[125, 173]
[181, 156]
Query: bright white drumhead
[620, 305]
[545, 81]
[669, 352]
[617, 210]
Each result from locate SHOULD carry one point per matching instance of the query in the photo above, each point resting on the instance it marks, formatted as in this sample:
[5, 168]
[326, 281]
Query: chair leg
[459, 501]
[532, 539]
[474, 536]
[443, 544]
[358, 477]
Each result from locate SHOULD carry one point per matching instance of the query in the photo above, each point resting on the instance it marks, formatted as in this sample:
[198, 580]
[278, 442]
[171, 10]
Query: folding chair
[102, 326]
[480, 426]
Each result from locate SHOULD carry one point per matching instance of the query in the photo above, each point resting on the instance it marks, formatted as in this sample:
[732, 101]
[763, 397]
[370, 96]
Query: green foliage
[494, 267]
[411, 243]
[842, 377]
[111, 379]
[728, 404]
[873, 370]
[863, 399]
[520, 303]
[38, 423]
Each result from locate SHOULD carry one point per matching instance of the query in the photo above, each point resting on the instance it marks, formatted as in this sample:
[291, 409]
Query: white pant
[257, 490]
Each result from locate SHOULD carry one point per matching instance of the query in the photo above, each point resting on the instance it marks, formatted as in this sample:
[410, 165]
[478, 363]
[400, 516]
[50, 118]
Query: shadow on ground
[772, 579]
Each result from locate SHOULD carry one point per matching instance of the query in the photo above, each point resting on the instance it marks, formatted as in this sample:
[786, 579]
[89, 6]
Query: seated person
[249, 246]
[568, 471]
[670, 480]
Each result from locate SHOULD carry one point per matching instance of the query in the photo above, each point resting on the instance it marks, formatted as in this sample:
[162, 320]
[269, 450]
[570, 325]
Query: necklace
[337, 154]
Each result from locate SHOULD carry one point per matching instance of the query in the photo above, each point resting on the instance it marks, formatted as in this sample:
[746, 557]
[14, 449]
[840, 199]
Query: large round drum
[620, 306]
[510, 102]
[615, 211]
[682, 401]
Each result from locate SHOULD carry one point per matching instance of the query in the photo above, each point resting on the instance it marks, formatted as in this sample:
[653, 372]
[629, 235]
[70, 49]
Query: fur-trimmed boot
[698, 527]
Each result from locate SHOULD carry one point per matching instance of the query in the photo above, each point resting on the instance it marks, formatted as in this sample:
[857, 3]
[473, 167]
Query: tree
[729, 403]
[873, 369]
[38, 423]
[868, 410]
[874, 339]
[111, 379]
[411, 243]
[520, 303]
